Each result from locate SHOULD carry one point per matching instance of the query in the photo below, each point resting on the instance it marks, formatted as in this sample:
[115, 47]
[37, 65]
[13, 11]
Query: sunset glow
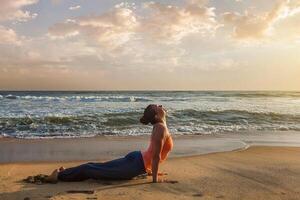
[141, 45]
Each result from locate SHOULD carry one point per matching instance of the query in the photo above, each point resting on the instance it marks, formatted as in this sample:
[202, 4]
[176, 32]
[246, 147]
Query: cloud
[130, 35]
[253, 26]
[8, 36]
[169, 23]
[181, 40]
[287, 26]
[162, 23]
[267, 25]
[74, 7]
[110, 29]
[63, 30]
[31, 61]
[12, 10]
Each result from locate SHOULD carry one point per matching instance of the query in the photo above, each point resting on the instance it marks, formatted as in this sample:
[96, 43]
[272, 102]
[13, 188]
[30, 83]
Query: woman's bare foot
[52, 178]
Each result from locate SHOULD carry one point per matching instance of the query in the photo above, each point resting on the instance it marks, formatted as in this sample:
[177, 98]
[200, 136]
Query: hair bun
[143, 120]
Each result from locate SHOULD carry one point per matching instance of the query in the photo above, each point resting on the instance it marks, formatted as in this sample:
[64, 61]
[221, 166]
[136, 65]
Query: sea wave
[237, 116]
[259, 94]
[80, 98]
[79, 114]
[10, 96]
[127, 123]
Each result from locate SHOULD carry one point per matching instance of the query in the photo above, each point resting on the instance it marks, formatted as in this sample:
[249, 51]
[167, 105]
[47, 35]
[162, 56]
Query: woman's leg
[123, 168]
[74, 173]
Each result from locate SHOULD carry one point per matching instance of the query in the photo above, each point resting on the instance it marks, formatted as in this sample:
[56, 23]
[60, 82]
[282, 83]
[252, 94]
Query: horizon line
[150, 90]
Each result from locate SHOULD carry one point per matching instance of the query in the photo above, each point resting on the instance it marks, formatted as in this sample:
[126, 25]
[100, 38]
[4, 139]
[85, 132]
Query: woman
[133, 164]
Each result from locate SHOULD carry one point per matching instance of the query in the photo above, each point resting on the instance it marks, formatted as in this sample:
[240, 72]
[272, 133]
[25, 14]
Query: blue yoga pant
[123, 168]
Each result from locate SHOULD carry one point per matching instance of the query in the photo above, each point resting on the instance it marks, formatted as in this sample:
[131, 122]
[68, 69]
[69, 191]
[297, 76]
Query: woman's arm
[158, 136]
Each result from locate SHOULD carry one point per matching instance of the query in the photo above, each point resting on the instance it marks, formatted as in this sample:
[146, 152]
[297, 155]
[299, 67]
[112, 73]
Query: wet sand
[110, 147]
[259, 172]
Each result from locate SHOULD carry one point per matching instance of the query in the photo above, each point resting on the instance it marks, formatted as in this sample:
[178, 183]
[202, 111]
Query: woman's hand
[159, 173]
[162, 180]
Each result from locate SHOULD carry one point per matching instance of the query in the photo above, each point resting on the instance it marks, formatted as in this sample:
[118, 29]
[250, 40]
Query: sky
[150, 45]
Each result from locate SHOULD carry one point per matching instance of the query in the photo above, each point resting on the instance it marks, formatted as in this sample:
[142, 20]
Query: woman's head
[153, 114]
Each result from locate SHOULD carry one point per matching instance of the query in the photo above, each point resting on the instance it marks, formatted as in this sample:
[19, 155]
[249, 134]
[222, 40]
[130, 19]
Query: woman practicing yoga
[134, 163]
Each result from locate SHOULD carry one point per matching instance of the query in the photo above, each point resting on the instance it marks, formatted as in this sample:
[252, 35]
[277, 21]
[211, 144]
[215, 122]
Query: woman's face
[160, 111]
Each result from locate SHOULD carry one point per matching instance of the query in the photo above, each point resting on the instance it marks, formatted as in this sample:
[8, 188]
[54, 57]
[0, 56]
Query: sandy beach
[205, 94]
[256, 173]
[256, 166]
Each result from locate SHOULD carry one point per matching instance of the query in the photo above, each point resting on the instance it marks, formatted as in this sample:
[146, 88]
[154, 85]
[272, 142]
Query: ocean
[56, 114]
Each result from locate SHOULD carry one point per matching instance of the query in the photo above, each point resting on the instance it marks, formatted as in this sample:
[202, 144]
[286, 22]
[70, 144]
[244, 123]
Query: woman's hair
[149, 115]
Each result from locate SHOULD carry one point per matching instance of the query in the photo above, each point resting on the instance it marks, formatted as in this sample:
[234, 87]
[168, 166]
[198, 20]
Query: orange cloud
[252, 26]
[260, 26]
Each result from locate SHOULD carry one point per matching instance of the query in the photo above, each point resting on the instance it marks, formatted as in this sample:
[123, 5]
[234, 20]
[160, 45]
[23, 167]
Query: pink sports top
[147, 155]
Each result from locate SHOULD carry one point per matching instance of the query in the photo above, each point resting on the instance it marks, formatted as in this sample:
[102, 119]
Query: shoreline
[14, 150]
